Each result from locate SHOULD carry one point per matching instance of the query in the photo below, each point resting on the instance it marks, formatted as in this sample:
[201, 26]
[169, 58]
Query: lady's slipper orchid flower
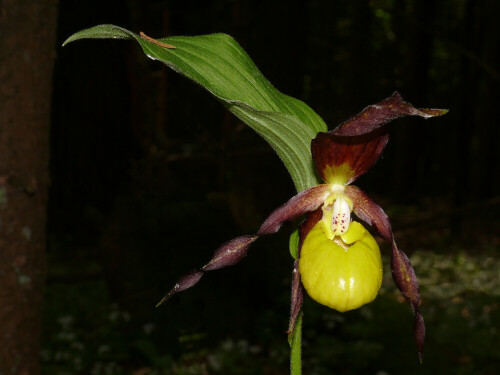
[338, 262]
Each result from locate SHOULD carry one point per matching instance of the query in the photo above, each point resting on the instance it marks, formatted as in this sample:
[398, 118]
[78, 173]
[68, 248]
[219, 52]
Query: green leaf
[219, 64]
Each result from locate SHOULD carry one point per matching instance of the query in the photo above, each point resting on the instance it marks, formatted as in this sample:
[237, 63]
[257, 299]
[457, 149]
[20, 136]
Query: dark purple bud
[374, 116]
[370, 212]
[185, 282]
[306, 201]
[297, 297]
[230, 253]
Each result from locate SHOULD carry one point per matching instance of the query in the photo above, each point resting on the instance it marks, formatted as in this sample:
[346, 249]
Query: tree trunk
[27, 37]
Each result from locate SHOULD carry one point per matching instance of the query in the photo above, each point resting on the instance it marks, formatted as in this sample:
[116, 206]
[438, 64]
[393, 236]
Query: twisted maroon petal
[402, 270]
[230, 253]
[233, 251]
[419, 332]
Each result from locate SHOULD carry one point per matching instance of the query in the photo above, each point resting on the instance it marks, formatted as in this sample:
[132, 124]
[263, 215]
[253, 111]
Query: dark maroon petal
[185, 282]
[346, 158]
[406, 281]
[230, 253]
[234, 251]
[374, 116]
[370, 212]
[306, 201]
[297, 297]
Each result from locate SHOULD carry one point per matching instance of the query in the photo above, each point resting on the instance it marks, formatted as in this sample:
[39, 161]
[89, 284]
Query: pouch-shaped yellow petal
[338, 274]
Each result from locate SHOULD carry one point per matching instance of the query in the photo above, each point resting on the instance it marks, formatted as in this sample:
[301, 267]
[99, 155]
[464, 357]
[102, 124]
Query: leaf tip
[69, 40]
[100, 32]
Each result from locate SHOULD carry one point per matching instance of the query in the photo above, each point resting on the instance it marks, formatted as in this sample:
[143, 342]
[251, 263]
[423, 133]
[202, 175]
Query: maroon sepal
[357, 154]
[297, 297]
[370, 212]
[304, 202]
[358, 142]
[406, 281]
[376, 115]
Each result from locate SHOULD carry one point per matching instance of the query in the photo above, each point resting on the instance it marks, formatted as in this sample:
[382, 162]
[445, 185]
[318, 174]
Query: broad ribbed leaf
[219, 64]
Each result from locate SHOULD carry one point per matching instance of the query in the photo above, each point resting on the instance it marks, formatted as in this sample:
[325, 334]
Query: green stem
[295, 338]
[295, 348]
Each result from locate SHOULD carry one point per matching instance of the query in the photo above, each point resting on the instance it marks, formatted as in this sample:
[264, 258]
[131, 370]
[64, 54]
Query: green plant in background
[336, 260]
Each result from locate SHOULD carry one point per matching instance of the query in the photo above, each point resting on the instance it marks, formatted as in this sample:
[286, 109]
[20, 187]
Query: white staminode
[341, 216]
[337, 188]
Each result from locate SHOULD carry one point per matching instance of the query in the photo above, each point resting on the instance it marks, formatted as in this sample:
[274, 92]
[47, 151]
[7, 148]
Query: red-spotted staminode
[338, 261]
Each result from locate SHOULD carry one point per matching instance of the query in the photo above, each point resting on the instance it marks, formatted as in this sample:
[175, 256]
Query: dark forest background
[149, 174]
